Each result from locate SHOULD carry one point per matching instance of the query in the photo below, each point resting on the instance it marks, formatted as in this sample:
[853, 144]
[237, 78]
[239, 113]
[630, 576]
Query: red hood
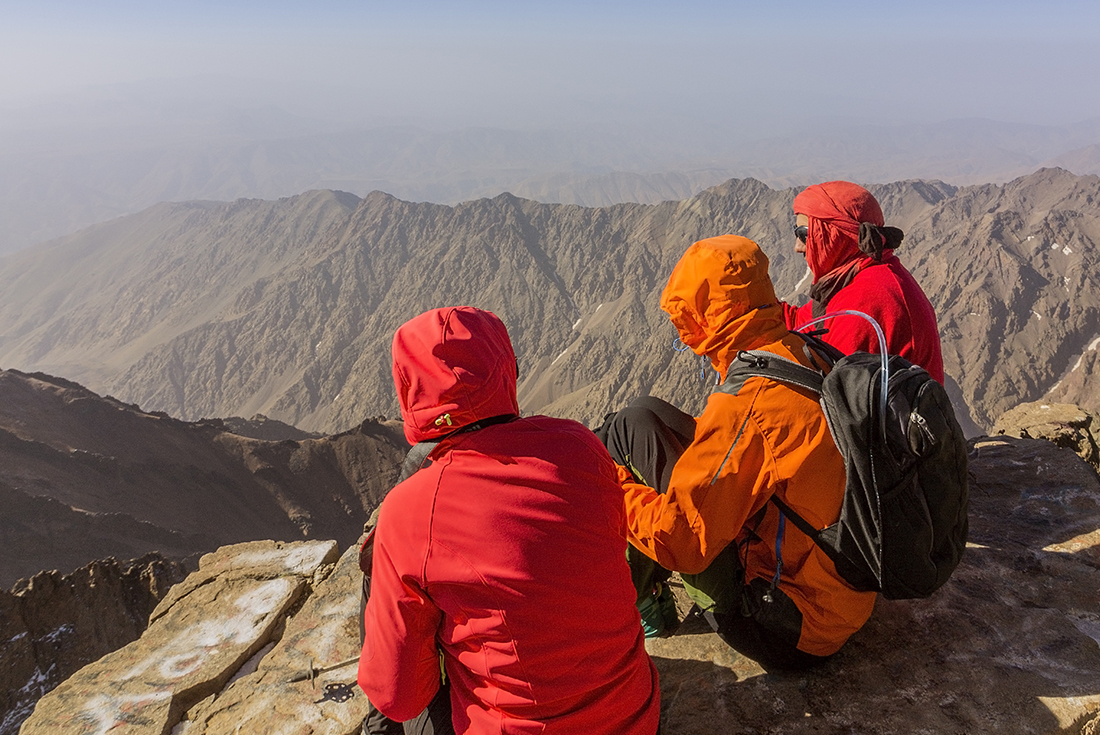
[452, 367]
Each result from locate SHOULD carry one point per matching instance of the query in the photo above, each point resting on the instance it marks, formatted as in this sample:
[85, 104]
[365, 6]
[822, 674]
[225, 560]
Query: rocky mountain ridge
[51, 625]
[286, 307]
[85, 477]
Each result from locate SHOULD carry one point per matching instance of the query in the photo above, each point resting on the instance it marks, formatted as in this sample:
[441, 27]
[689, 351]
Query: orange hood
[721, 300]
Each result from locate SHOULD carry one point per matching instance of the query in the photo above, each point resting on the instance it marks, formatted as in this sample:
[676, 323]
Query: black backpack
[903, 520]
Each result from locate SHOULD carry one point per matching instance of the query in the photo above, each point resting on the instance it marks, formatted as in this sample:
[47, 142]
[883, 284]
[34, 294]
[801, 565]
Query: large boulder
[202, 633]
[1064, 424]
[290, 687]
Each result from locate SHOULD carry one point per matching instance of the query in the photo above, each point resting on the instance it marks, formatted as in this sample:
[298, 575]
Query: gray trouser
[434, 720]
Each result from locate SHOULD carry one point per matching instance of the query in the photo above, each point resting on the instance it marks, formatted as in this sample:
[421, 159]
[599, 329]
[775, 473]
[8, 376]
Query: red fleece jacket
[884, 290]
[890, 295]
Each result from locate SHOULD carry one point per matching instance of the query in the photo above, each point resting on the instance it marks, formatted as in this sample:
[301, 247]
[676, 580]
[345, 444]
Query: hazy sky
[531, 63]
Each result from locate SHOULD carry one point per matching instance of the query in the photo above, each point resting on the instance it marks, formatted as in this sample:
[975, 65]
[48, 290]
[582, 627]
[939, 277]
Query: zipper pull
[445, 417]
[922, 424]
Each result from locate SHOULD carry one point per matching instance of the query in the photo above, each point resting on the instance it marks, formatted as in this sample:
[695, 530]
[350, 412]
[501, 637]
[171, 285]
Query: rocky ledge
[1010, 645]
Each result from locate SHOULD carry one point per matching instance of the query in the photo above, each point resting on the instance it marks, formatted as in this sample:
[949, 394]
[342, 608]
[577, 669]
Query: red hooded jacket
[884, 289]
[506, 553]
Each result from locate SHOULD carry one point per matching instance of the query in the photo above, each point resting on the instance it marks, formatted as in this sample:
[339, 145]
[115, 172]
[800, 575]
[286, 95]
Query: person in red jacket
[503, 556]
[840, 229]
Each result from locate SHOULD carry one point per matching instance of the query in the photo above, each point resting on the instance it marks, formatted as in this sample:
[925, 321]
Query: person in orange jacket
[697, 490]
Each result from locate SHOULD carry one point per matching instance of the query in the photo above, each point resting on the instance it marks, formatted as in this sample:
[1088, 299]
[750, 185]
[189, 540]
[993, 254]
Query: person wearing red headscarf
[840, 229]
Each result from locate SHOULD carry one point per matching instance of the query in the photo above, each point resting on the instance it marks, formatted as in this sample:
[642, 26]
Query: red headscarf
[835, 209]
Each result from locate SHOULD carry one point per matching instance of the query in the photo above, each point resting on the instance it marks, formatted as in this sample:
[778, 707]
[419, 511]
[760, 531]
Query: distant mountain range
[65, 168]
[286, 307]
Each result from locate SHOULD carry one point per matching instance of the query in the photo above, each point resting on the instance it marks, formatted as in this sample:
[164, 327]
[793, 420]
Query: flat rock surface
[1011, 644]
[1064, 424]
[226, 612]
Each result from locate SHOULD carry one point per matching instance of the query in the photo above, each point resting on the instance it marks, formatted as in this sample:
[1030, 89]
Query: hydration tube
[882, 351]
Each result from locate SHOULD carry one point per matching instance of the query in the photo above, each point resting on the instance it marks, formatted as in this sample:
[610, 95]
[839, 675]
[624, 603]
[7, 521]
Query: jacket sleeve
[399, 666]
[793, 315]
[722, 478]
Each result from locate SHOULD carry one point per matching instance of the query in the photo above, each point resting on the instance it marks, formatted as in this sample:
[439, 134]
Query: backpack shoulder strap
[415, 458]
[802, 524]
[759, 363]
[818, 350]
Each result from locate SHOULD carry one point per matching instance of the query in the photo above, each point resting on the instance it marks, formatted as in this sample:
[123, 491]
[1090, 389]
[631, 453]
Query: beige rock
[226, 612]
[323, 633]
[1064, 424]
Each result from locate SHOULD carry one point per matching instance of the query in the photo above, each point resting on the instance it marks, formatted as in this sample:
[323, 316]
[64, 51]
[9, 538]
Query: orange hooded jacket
[767, 439]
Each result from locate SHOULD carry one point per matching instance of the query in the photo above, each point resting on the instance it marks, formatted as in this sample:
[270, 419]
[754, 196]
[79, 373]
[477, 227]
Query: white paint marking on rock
[186, 653]
[107, 713]
[300, 560]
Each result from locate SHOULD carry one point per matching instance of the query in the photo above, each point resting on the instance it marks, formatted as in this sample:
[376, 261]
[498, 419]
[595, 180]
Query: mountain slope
[84, 477]
[286, 308]
[1013, 271]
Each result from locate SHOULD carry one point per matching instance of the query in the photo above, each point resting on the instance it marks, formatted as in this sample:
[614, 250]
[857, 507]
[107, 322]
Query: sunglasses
[802, 232]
